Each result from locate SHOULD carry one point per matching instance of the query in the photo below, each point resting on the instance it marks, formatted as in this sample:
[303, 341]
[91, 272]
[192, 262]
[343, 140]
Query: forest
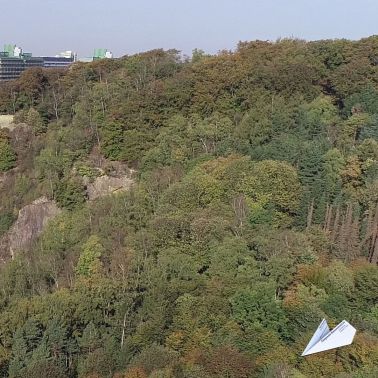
[253, 216]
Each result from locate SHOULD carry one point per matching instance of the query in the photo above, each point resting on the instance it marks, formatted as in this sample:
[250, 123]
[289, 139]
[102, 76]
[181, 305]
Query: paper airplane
[325, 339]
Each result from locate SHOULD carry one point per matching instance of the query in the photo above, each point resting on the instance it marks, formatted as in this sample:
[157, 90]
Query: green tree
[334, 164]
[112, 138]
[7, 155]
[315, 118]
[273, 191]
[89, 264]
[70, 194]
[258, 307]
[34, 120]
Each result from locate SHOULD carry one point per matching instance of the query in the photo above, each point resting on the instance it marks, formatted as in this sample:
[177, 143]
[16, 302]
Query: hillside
[207, 213]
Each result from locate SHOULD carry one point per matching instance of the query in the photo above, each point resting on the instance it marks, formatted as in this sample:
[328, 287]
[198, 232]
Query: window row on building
[13, 61]
[12, 67]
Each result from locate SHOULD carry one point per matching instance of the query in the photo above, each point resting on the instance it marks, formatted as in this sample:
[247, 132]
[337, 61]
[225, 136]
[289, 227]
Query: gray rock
[105, 185]
[28, 226]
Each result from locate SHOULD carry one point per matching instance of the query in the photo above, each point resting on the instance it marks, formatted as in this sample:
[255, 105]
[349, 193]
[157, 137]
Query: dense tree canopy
[254, 213]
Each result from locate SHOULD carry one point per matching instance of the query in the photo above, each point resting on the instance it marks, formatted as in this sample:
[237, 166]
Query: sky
[46, 27]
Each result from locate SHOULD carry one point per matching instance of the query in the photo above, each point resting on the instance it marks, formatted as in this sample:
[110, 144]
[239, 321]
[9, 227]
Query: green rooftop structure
[101, 54]
[9, 49]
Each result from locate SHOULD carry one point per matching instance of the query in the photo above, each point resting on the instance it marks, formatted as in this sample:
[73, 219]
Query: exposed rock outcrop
[6, 121]
[33, 218]
[105, 185]
[4, 249]
[28, 226]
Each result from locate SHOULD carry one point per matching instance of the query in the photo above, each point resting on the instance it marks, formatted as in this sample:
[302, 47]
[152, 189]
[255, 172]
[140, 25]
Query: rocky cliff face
[33, 218]
[105, 185]
[28, 226]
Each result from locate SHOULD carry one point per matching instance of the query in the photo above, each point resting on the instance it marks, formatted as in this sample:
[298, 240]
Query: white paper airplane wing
[322, 330]
[341, 335]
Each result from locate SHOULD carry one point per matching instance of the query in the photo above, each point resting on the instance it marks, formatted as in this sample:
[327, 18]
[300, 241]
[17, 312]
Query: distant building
[97, 55]
[17, 52]
[56, 62]
[9, 50]
[13, 51]
[61, 60]
[11, 67]
[102, 54]
[13, 61]
[67, 54]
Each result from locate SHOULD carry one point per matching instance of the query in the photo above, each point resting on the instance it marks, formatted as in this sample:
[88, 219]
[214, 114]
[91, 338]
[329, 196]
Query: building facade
[102, 54]
[56, 61]
[12, 67]
[13, 61]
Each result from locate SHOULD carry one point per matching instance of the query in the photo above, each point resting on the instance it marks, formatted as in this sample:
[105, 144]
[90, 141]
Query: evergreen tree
[7, 155]
[89, 264]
